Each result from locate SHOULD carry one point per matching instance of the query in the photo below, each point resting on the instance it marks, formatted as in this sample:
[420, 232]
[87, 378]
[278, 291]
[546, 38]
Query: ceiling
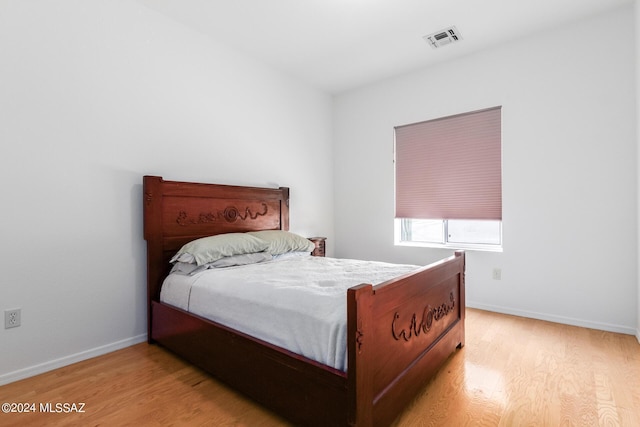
[337, 45]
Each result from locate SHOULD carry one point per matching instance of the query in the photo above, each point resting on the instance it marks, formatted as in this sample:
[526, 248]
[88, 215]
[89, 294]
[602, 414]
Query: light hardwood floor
[512, 372]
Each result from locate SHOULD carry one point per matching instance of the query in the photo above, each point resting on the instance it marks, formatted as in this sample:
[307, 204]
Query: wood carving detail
[429, 315]
[359, 336]
[229, 214]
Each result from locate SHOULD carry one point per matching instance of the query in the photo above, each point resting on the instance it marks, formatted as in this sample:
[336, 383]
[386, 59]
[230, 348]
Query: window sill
[453, 246]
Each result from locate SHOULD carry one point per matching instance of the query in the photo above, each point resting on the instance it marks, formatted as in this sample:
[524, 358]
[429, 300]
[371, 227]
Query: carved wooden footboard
[402, 330]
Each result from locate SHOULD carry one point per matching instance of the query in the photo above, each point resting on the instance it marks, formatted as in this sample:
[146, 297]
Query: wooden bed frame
[399, 332]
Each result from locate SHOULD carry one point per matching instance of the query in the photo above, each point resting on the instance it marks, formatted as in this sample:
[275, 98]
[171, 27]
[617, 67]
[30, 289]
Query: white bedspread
[295, 303]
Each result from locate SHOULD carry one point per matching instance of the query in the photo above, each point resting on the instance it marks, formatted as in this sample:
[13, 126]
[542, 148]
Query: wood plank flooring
[512, 372]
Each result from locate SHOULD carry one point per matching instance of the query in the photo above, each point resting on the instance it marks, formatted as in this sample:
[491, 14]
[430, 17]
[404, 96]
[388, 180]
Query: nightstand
[320, 245]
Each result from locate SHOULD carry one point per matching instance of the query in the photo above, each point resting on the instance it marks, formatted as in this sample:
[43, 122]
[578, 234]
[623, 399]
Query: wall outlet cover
[12, 318]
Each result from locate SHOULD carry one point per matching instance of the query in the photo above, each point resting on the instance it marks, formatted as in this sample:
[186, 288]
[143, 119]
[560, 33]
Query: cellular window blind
[451, 167]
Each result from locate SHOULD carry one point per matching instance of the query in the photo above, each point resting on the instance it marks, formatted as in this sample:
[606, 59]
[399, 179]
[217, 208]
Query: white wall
[93, 95]
[637, 28]
[569, 170]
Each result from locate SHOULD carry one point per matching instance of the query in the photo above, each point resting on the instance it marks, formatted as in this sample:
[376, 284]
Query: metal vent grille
[443, 37]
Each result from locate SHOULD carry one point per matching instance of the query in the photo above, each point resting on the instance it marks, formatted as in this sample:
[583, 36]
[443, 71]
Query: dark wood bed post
[152, 226]
[360, 351]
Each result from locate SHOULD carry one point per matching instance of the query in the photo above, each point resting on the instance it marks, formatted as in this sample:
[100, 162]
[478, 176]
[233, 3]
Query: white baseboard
[68, 360]
[557, 319]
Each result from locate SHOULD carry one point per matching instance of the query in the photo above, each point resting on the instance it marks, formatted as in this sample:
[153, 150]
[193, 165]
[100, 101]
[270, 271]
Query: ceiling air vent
[444, 37]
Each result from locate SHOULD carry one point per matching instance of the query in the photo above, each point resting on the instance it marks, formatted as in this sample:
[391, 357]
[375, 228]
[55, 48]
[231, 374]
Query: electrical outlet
[497, 274]
[12, 318]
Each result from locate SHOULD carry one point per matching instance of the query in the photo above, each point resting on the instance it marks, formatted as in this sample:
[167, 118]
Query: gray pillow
[281, 241]
[189, 269]
[243, 259]
[213, 248]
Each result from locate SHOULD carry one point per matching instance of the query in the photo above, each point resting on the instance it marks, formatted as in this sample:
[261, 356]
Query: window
[472, 234]
[449, 181]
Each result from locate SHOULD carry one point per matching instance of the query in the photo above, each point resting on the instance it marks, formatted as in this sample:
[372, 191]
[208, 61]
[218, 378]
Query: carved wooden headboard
[178, 212]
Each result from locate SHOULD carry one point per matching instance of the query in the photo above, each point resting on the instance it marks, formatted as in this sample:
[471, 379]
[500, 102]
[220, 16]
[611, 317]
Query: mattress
[295, 303]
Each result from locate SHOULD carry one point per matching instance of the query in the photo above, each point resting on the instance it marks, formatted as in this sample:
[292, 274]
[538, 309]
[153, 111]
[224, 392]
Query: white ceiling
[337, 45]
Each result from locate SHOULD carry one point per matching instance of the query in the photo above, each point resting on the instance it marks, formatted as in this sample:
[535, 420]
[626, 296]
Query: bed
[398, 333]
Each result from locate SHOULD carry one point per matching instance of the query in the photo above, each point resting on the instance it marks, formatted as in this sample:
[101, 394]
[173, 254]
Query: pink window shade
[450, 168]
